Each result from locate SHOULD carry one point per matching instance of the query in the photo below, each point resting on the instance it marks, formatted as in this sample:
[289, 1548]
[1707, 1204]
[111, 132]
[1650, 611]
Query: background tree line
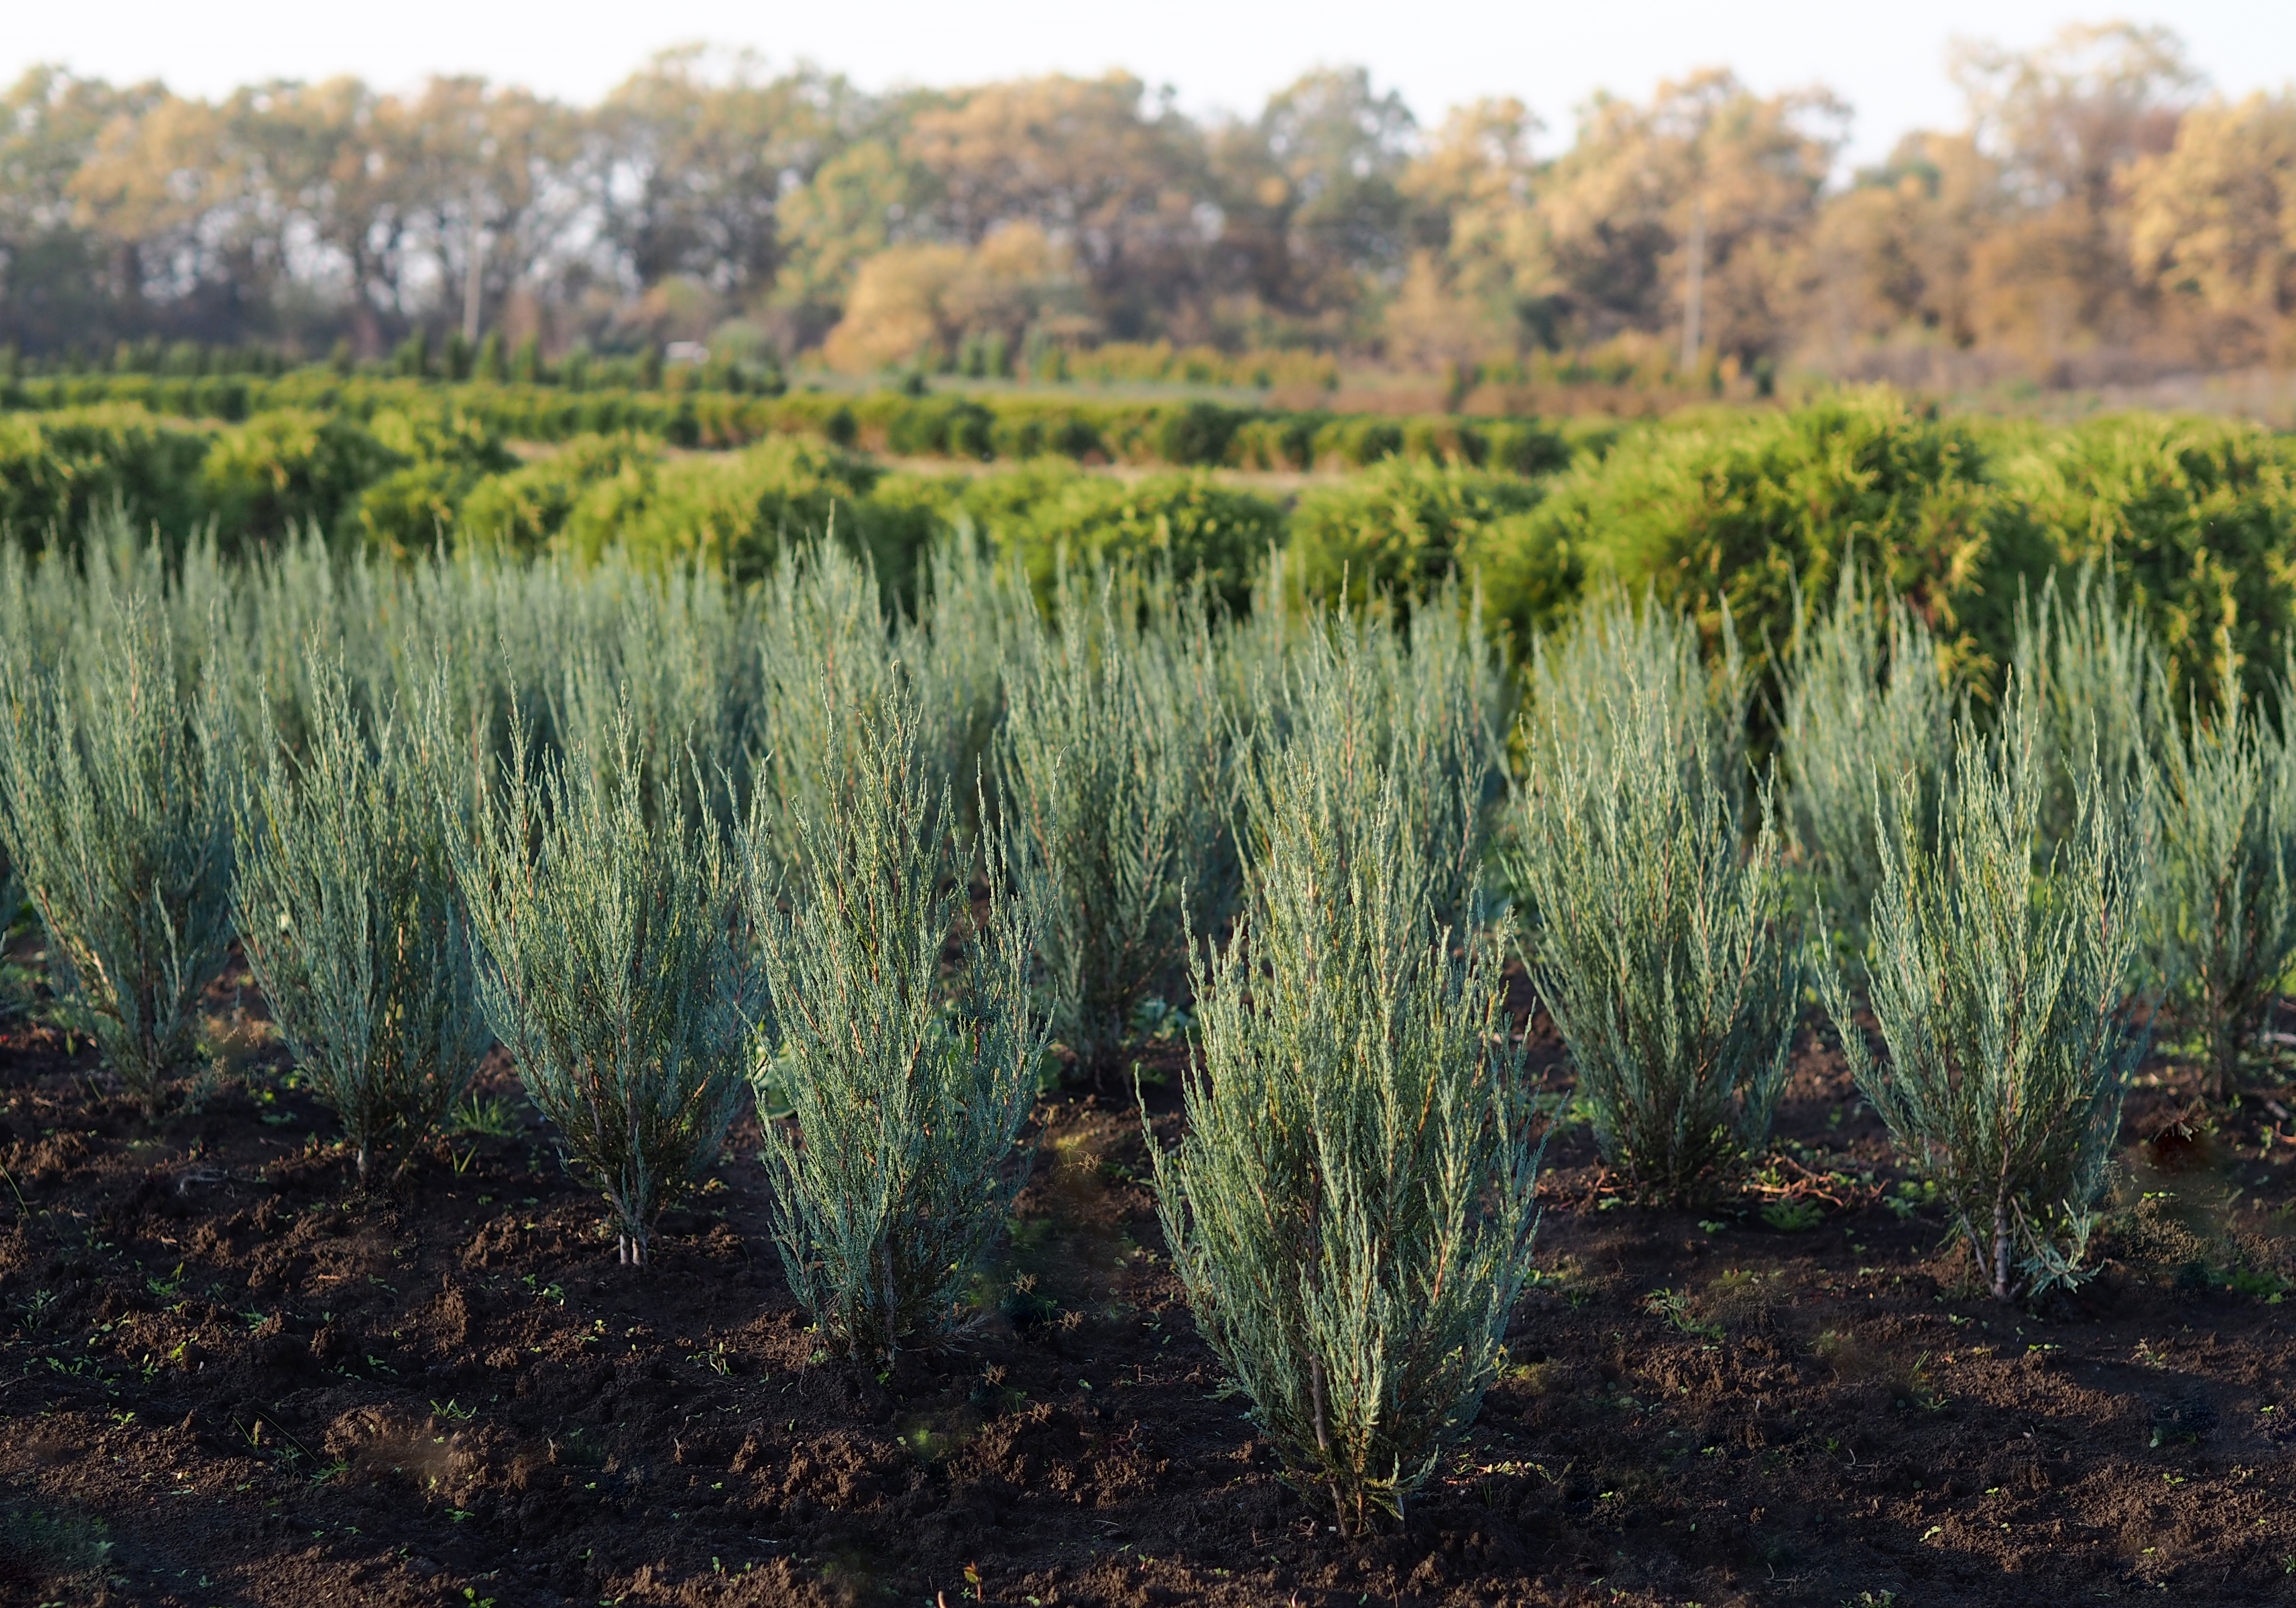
[2098, 216]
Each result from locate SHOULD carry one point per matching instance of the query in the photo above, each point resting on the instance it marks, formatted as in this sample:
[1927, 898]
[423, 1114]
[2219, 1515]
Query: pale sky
[1887, 60]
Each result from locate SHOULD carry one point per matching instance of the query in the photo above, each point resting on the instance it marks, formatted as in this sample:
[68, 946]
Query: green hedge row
[401, 482]
[393, 479]
[1754, 512]
[1760, 511]
[1176, 433]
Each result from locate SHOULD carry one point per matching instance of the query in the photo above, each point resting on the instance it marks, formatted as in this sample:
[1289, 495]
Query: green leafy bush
[1044, 430]
[1112, 767]
[1197, 432]
[693, 412]
[1401, 527]
[1999, 994]
[823, 650]
[443, 453]
[1759, 510]
[738, 512]
[347, 914]
[2223, 925]
[1358, 442]
[2098, 689]
[612, 971]
[978, 503]
[956, 427]
[1866, 704]
[1659, 941]
[527, 509]
[287, 469]
[59, 471]
[1351, 1207]
[907, 1095]
[1533, 575]
[2196, 517]
[1049, 515]
[117, 800]
[1283, 441]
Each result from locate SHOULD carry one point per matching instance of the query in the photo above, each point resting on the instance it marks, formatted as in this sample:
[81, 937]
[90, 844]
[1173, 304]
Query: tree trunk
[2002, 1290]
[2224, 1056]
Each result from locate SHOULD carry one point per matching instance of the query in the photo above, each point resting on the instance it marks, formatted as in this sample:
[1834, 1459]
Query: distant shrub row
[1179, 433]
[400, 480]
[1749, 513]
[1761, 513]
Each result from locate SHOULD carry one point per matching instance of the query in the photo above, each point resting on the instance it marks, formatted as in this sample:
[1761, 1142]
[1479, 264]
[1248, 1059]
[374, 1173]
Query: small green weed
[1674, 1306]
[36, 1308]
[2258, 1285]
[1793, 1217]
[58, 1541]
[1912, 1388]
[492, 1118]
[1911, 1196]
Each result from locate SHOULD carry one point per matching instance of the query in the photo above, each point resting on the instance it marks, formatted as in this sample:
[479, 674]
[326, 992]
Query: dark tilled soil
[223, 1380]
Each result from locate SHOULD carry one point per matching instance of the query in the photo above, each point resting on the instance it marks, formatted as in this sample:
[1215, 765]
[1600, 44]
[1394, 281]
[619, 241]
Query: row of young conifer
[677, 846]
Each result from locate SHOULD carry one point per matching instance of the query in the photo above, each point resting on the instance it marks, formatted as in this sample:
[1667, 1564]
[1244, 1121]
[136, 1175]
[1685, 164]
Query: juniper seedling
[352, 927]
[1351, 1208]
[823, 625]
[1865, 704]
[11, 891]
[117, 800]
[976, 629]
[1453, 702]
[2000, 994]
[907, 1090]
[1432, 700]
[15, 657]
[1618, 657]
[16, 649]
[612, 967]
[2098, 690]
[2224, 928]
[1659, 945]
[1114, 760]
[671, 658]
[1256, 648]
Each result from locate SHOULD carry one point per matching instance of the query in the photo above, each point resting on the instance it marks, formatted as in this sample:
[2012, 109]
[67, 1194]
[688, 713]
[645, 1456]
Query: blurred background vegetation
[2098, 222]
